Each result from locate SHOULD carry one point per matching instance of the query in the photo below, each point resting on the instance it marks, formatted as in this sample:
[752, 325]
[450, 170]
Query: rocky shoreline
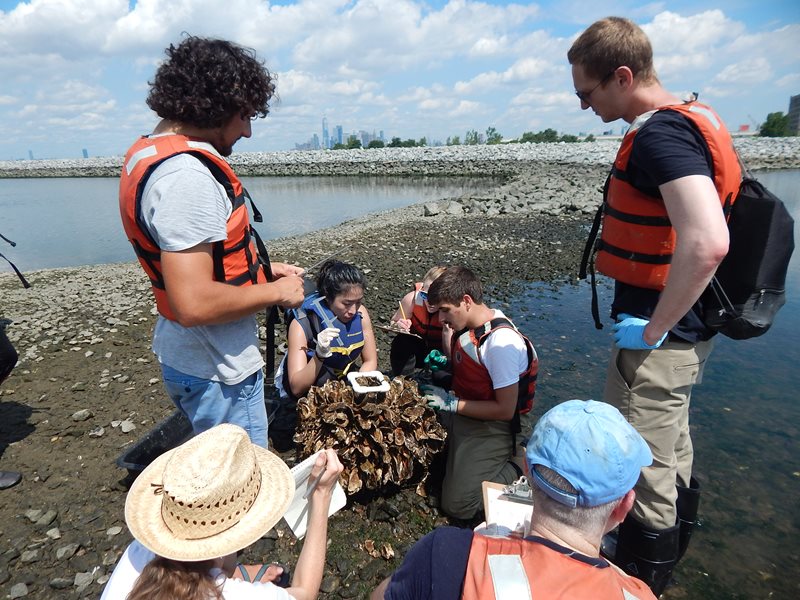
[87, 385]
[502, 159]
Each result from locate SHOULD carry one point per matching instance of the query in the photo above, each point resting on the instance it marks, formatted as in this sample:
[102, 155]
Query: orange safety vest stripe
[235, 260]
[637, 239]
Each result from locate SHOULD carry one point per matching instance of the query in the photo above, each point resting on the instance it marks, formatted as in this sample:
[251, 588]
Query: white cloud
[791, 81]
[523, 70]
[747, 72]
[465, 107]
[410, 67]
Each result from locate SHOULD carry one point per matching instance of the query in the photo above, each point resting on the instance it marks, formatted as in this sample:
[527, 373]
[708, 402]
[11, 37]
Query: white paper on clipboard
[499, 510]
[297, 514]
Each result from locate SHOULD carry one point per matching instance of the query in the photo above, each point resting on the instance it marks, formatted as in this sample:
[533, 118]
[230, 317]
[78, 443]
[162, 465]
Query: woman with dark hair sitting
[327, 336]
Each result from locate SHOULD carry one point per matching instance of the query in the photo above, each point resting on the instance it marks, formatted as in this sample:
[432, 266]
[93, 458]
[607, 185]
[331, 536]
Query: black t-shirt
[667, 147]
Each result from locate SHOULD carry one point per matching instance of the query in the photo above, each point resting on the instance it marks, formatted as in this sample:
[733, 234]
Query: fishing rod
[319, 263]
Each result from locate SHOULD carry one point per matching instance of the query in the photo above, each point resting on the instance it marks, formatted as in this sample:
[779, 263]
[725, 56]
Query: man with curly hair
[184, 211]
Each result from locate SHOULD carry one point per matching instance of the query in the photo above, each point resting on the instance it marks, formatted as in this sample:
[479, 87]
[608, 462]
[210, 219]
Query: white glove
[324, 339]
[440, 399]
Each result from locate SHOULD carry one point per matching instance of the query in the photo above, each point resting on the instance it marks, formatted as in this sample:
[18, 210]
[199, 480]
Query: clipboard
[500, 509]
[391, 329]
[296, 515]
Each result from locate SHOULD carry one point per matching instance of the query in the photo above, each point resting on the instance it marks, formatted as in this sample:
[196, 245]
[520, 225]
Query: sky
[74, 73]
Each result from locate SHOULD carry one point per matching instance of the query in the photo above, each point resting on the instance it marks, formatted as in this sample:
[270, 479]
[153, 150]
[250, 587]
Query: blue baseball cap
[591, 445]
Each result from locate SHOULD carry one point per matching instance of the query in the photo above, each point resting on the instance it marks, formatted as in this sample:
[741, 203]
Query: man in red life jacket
[184, 211]
[584, 459]
[493, 367]
[664, 233]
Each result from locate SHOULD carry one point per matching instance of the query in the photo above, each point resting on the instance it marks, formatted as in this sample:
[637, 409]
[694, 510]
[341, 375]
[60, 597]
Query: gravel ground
[87, 385]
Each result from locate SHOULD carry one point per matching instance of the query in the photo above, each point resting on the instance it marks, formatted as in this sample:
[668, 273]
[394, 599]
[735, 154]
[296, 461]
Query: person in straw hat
[195, 506]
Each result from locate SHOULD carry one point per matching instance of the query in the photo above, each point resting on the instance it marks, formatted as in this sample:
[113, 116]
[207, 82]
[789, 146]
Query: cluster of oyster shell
[381, 438]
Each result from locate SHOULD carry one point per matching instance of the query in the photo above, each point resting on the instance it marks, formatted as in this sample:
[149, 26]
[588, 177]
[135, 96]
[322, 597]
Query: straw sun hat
[209, 497]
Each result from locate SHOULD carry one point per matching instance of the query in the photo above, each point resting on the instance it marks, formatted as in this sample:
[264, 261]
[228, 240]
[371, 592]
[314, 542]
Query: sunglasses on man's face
[584, 96]
[423, 295]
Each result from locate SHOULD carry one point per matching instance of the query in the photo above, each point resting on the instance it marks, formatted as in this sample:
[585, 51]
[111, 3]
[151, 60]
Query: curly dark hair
[205, 82]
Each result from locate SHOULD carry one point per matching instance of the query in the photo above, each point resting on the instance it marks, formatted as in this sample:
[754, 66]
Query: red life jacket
[236, 259]
[527, 569]
[637, 239]
[424, 323]
[471, 378]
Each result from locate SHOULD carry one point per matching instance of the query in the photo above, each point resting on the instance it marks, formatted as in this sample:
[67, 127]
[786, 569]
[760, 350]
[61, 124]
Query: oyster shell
[381, 439]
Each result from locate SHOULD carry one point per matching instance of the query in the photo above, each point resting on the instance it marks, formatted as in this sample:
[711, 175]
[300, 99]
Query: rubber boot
[647, 554]
[686, 505]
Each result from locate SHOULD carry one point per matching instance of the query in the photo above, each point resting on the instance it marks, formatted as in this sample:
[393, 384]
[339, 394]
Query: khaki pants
[652, 389]
[478, 451]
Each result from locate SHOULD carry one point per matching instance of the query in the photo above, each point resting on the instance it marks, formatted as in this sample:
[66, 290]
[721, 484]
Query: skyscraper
[325, 139]
[339, 135]
[794, 115]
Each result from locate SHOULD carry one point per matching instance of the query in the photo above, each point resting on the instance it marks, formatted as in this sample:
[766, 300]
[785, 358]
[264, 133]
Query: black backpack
[749, 286]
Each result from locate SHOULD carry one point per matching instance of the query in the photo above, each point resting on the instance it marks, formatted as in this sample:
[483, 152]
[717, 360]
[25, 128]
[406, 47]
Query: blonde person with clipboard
[416, 316]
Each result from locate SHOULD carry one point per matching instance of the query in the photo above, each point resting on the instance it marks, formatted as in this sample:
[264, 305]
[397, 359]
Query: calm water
[68, 222]
[745, 420]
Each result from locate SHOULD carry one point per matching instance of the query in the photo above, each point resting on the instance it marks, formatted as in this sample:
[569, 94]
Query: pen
[310, 489]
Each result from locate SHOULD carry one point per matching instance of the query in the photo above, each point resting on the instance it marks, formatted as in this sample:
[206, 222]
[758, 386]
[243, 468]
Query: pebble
[19, 590]
[97, 432]
[127, 426]
[54, 533]
[34, 514]
[112, 531]
[82, 415]
[60, 583]
[47, 518]
[83, 579]
[66, 551]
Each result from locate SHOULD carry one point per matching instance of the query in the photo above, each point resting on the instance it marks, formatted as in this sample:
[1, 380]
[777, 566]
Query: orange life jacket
[471, 378]
[236, 259]
[637, 239]
[534, 568]
[424, 323]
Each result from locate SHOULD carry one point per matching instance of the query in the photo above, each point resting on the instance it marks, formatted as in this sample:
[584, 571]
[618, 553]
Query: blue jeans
[208, 403]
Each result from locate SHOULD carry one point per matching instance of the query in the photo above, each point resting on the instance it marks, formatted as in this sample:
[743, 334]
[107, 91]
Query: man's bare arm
[696, 214]
[196, 299]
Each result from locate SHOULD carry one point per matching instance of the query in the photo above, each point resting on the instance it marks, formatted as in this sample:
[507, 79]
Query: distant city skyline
[75, 72]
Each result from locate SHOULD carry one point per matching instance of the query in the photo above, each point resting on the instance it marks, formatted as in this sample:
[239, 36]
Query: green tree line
[471, 138]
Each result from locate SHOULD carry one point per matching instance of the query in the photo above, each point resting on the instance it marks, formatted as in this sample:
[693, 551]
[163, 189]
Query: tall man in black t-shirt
[664, 233]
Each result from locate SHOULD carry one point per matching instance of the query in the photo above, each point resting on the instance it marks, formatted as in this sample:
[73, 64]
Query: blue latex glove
[439, 398]
[436, 361]
[629, 333]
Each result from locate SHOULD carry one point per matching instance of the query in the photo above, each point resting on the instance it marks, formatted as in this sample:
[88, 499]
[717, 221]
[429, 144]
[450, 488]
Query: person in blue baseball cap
[584, 459]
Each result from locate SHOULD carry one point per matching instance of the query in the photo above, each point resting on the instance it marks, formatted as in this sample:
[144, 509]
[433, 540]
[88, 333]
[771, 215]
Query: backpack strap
[589, 251]
[24, 281]
[481, 335]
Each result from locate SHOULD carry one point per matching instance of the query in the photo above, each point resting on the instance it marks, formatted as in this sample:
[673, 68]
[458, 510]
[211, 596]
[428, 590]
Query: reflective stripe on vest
[508, 577]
